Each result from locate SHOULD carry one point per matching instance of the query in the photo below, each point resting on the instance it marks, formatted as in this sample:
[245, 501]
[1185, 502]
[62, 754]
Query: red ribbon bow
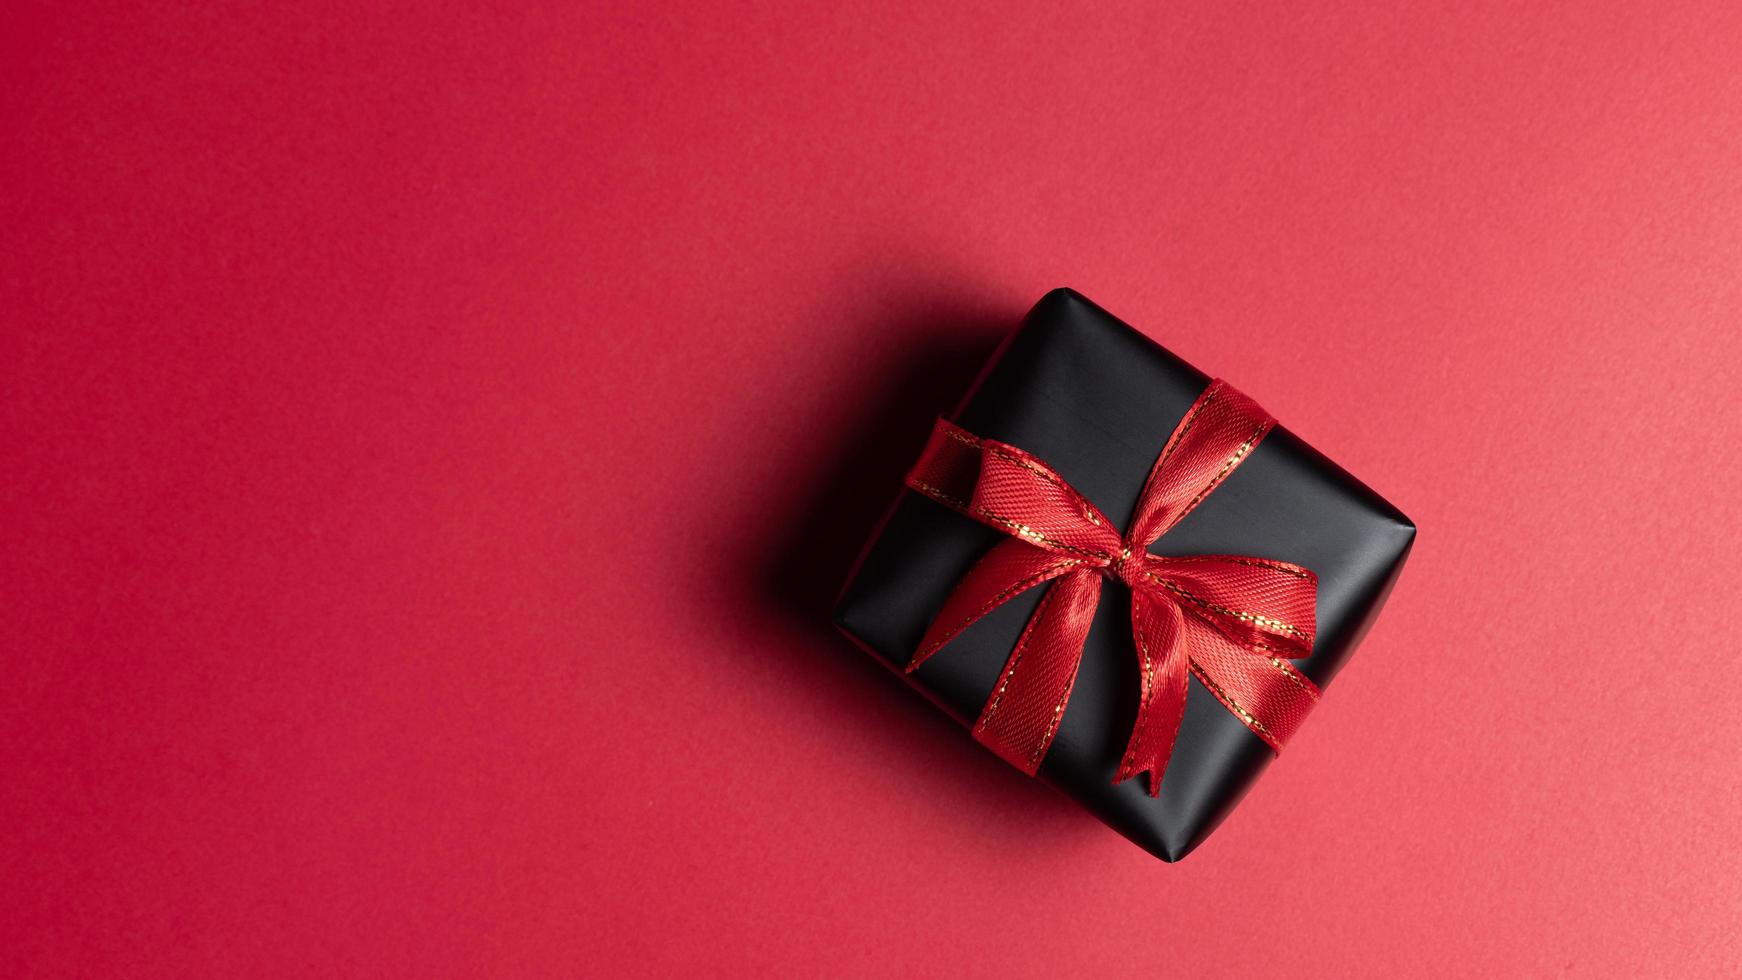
[1233, 622]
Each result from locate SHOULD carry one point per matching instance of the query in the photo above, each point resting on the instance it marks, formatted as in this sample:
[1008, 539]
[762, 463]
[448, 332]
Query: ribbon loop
[1018, 494]
[1271, 601]
[1231, 621]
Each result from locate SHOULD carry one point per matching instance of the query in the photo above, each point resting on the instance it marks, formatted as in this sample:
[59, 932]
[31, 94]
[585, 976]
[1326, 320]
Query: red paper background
[432, 437]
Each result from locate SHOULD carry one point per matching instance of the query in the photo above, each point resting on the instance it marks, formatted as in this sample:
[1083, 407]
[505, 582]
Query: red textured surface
[432, 436]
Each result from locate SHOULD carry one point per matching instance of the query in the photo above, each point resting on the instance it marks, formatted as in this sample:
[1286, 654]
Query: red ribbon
[1232, 622]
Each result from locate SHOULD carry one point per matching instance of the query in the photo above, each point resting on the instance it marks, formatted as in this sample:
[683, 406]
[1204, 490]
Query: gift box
[1079, 430]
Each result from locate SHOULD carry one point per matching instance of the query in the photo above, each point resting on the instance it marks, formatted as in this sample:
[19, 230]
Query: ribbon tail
[1011, 568]
[1163, 667]
[1023, 713]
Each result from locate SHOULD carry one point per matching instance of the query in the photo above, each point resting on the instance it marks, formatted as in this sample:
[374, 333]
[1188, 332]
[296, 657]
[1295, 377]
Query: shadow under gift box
[1096, 400]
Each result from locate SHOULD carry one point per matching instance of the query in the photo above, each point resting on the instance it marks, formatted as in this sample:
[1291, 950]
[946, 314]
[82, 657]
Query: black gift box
[1096, 400]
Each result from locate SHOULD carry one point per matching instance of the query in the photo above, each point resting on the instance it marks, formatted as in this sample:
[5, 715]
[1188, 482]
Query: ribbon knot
[1231, 621]
[1120, 568]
